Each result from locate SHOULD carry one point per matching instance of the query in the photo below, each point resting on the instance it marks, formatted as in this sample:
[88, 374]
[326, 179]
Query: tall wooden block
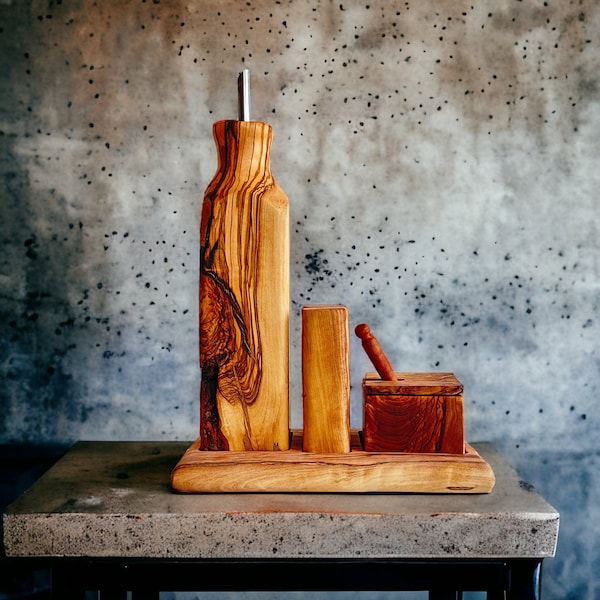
[420, 412]
[326, 378]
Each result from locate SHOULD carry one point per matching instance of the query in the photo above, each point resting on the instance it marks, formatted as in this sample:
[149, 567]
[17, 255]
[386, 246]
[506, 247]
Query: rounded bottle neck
[244, 146]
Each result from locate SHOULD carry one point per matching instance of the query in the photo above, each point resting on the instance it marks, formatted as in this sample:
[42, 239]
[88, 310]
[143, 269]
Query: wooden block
[420, 412]
[326, 378]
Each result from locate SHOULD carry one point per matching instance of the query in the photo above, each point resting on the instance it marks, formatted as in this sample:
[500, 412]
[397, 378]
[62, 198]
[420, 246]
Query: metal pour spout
[244, 95]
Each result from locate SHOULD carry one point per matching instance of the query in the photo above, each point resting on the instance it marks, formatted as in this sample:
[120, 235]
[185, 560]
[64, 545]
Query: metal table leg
[525, 580]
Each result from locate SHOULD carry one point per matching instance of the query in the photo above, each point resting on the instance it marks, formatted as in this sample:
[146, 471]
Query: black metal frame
[112, 578]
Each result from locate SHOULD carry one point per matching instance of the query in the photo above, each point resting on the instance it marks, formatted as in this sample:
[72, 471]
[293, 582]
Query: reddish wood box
[420, 412]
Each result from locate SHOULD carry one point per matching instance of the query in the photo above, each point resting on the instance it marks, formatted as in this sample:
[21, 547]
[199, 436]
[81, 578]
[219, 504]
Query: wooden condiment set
[244, 329]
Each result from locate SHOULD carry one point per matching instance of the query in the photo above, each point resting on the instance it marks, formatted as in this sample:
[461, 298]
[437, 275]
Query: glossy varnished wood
[417, 412]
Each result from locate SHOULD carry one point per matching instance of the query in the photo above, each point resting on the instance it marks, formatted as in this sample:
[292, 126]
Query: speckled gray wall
[441, 161]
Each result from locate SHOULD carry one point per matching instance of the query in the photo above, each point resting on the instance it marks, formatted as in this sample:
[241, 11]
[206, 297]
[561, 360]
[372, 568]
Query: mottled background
[441, 160]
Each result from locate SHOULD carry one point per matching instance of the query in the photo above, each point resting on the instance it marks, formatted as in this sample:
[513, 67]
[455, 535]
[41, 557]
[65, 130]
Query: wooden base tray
[357, 471]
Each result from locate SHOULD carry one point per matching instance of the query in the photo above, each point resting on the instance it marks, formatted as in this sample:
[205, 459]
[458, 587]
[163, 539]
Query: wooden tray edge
[294, 471]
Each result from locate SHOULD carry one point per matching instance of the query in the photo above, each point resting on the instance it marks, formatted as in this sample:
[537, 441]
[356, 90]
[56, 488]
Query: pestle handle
[375, 353]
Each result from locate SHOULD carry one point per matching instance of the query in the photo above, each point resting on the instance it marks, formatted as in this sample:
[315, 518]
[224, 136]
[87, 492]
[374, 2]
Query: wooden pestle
[375, 353]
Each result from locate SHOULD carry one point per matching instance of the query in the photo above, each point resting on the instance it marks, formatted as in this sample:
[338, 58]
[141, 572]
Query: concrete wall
[441, 161]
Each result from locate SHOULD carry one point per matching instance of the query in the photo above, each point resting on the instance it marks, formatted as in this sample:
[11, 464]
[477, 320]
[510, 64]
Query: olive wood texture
[352, 472]
[326, 378]
[419, 412]
[244, 296]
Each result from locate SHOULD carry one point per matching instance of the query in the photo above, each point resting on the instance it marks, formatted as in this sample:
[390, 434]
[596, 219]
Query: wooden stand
[352, 472]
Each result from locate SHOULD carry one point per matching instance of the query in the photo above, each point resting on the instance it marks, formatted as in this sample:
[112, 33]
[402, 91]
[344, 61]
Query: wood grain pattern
[244, 296]
[420, 412]
[353, 472]
[414, 424]
[326, 378]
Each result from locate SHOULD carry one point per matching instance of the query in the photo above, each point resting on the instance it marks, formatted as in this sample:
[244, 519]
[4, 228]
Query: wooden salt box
[419, 412]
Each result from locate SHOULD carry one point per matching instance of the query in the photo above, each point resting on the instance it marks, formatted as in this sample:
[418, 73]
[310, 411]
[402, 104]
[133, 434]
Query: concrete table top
[113, 499]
